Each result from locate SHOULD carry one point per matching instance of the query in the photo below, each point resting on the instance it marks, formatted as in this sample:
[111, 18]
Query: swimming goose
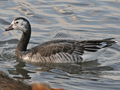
[57, 51]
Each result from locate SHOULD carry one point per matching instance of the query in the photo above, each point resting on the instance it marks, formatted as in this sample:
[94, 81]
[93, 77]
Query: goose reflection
[51, 67]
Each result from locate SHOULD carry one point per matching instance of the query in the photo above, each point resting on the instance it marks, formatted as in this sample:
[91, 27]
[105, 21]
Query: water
[51, 19]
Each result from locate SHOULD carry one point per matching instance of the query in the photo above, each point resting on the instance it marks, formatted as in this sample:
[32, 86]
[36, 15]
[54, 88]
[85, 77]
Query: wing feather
[71, 46]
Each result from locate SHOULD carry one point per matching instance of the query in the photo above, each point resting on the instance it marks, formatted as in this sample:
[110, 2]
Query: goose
[8, 83]
[57, 51]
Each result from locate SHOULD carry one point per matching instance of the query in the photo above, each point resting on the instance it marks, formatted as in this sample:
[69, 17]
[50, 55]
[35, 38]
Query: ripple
[5, 0]
[41, 19]
[98, 11]
[83, 4]
[59, 10]
[11, 41]
[2, 21]
[111, 18]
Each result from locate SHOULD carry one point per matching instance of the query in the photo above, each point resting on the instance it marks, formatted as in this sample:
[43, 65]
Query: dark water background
[75, 19]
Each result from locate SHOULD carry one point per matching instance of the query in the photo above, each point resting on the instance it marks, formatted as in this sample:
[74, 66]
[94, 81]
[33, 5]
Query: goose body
[57, 51]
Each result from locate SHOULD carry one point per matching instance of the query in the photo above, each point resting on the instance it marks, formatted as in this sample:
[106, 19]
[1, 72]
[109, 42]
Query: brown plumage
[7, 83]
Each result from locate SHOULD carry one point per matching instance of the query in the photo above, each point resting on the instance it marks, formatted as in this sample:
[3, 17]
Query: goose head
[23, 25]
[19, 23]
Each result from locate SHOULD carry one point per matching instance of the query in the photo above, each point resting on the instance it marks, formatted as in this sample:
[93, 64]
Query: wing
[57, 46]
[72, 47]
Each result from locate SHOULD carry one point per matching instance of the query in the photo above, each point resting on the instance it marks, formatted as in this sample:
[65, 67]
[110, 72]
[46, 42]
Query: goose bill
[9, 28]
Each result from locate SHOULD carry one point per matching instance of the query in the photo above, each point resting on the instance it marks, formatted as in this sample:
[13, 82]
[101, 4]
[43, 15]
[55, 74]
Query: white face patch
[19, 25]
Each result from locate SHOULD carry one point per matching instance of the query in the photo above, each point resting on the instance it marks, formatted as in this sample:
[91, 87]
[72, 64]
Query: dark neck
[22, 45]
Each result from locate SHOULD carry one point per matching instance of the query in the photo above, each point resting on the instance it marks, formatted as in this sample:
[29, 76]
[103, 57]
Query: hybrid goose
[57, 51]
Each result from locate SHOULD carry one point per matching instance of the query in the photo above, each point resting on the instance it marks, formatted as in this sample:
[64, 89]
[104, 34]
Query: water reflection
[20, 71]
[61, 73]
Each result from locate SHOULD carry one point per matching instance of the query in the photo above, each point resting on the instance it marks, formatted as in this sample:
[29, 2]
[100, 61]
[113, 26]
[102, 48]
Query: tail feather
[108, 38]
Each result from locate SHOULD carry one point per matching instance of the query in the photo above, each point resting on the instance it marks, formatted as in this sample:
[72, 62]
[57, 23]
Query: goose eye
[16, 22]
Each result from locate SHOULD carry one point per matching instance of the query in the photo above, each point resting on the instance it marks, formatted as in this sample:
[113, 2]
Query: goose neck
[22, 45]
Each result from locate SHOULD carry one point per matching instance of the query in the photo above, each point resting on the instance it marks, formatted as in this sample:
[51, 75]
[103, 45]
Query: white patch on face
[19, 25]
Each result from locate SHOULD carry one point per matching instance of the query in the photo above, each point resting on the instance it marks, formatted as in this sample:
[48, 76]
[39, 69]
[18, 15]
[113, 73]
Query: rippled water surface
[74, 19]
